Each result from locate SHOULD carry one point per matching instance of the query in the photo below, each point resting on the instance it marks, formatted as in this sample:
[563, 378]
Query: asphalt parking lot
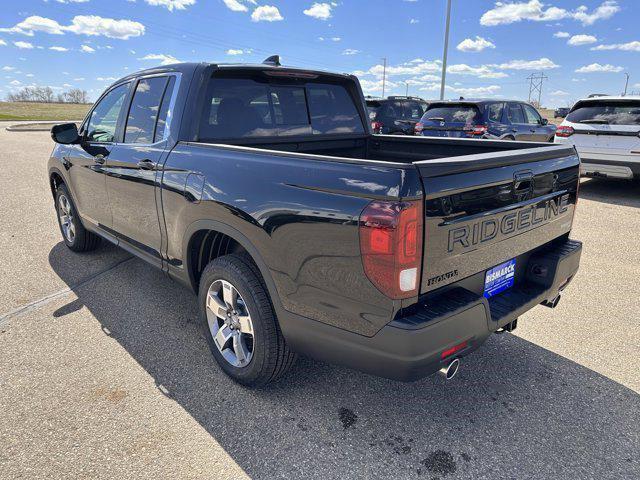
[104, 374]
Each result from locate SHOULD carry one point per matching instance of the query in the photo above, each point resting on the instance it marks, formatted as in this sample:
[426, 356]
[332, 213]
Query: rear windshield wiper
[593, 120]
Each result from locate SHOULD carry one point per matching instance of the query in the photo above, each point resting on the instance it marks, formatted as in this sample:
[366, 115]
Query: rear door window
[514, 113]
[141, 121]
[606, 113]
[495, 112]
[244, 108]
[453, 114]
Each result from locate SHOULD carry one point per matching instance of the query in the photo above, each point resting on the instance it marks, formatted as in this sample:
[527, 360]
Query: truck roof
[190, 67]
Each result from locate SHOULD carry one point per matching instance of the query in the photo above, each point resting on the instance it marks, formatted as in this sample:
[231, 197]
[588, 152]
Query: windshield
[607, 113]
[244, 107]
[452, 114]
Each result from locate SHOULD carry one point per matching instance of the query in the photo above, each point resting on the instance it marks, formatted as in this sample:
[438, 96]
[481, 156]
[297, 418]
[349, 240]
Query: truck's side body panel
[301, 215]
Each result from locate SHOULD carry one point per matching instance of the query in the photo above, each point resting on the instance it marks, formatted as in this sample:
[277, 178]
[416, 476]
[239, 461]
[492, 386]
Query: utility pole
[384, 75]
[406, 94]
[535, 85]
[446, 48]
[626, 84]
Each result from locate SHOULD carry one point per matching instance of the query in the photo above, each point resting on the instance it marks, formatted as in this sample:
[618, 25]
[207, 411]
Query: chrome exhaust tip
[450, 370]
[552, 303]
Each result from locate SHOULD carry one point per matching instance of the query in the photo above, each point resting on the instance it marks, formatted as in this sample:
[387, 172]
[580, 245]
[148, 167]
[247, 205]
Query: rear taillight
[564, 131]
[376, 127]
[391, 246]
[419, 127]
[476, 129]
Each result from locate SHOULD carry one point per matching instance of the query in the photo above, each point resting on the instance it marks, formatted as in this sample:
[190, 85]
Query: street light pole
[384, 75]
[446, 48]
[626, 84]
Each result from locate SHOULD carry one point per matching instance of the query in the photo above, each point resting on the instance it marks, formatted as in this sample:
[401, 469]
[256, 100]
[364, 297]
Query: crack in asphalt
[36, 304]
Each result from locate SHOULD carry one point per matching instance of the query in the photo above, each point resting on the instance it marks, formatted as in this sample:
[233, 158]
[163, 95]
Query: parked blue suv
[497, 119]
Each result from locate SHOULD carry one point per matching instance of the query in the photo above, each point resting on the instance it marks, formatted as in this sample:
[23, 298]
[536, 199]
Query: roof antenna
[273, 60]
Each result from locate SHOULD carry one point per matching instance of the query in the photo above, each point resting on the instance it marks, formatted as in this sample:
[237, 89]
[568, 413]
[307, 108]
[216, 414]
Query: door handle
[514, 130]
[146, 164]
[99, 159]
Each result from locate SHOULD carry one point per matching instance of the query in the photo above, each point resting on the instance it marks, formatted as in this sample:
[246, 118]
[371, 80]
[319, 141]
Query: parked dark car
[561, 112]
[497, 119]
[263, 190]
[395, 115]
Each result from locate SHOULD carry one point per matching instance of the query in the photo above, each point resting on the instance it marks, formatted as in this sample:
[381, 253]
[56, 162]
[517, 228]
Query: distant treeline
[46, 95]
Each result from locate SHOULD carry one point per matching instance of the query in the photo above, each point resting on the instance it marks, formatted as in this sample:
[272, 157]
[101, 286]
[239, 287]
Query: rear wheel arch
[206, 240]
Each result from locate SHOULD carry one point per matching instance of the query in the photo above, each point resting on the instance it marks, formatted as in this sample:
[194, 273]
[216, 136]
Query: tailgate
[483, 210]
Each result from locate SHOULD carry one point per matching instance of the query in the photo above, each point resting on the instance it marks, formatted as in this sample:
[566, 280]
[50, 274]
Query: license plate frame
[499, 278]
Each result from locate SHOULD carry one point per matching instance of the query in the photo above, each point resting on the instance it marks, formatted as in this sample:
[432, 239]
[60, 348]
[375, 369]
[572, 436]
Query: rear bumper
[621, 167]
[409, 348]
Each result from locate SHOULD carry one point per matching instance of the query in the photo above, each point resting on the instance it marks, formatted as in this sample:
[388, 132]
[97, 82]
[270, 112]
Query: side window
[103, 121]
[141, 121]
[531, 114]
[495, 112]
[514, 113]
[164, 110]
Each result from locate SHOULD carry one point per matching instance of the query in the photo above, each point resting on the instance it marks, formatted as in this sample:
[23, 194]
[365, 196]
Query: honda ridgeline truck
[263, 189]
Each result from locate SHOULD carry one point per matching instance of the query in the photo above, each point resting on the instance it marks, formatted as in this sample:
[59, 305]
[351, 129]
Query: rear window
[607, 113]
[245, 108]
[452, 114]
[414, 110]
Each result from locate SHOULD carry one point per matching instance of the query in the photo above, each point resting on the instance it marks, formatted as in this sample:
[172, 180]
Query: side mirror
[66, 133]
[544, 121]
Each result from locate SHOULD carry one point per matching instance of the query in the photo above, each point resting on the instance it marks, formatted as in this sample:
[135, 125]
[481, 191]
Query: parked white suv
[606, 134]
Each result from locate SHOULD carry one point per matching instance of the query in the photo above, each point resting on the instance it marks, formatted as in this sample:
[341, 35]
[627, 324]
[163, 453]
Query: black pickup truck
[263, 189]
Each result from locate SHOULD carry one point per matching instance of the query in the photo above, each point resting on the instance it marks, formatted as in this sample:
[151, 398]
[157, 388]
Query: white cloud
[58, 49]
[87, 49]
[321, 11]
[413, 21]
[35, 23]
[164, 59]
[23, 45]
[540, 64]
[477, 45]
[534, 10]
[476, 91]
[91, 25]
[627, 47]
[171, 4]
[562, 34]
[607, 10]
[266, 13]
[335, 39]
[596, 68]
[238, 5]
[559, 93]
[350, 51]
[483, 71]
[577, 40]
[106, 79]
[235, 51]
[15, 82]
[8, 68]
[2, 42]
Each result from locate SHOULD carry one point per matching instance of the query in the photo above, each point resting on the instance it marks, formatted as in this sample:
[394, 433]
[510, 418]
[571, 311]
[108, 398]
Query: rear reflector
[419, 127]
[455, 349]
[391, 246]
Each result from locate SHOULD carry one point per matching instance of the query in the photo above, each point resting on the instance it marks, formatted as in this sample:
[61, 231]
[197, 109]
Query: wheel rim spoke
[240, 349]
[229, 294]
[245, 324]
[218, 308]
[222, 337]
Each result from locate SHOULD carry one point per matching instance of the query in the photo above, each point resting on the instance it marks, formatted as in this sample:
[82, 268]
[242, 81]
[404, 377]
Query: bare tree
[45, 95]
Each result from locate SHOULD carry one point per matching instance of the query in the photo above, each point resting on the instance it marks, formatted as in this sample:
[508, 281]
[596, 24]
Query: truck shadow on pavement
[616, 192]
[515, 410]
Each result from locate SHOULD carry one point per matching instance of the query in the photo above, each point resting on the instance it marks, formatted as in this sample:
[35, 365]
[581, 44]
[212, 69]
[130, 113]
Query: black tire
[83, 240]
[271, 357]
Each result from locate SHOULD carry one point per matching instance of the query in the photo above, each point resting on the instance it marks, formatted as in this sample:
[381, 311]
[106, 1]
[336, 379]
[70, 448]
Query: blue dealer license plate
[499, 278]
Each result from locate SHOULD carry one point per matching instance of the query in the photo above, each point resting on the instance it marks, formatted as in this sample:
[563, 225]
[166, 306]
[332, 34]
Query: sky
[582, 46]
